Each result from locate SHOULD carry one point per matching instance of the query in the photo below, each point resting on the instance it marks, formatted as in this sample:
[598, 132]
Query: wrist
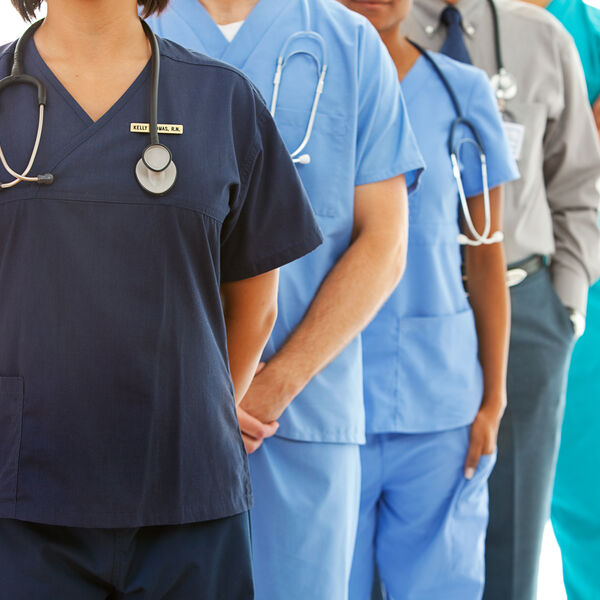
[285, 378]
[494, 404]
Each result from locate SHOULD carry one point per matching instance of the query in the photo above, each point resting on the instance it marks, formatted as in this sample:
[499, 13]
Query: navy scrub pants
[199, 561]
[521, 484]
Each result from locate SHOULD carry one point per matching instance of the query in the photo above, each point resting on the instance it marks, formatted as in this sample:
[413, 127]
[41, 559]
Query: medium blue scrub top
[116, 401]
[361, 135]
[420, 353]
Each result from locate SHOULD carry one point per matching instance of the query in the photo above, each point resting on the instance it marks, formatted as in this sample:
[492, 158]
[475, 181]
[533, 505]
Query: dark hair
[27, 8]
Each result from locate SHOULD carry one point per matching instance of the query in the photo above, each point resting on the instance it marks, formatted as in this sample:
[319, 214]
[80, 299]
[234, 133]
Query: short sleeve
[270, 222]
[482, 111]
[386, 145]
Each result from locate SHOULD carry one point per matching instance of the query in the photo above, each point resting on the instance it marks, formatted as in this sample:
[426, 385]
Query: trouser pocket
[11, 412]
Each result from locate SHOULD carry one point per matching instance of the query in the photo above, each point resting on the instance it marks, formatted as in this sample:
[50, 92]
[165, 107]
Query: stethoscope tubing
[155, 178]
[321, 65]
[477, 238]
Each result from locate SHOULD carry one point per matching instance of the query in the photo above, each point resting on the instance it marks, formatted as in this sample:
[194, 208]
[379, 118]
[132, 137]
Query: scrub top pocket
[331, 199]
[11, 412]
[438, 366]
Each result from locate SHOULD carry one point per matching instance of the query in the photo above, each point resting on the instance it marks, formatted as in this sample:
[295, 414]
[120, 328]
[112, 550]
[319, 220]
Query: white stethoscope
[503, 83]
[155, 171]
[486, 237]
[321, 64]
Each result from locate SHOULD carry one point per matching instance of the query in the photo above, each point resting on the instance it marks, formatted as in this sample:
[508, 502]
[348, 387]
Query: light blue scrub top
[422, 372]
[361, 135]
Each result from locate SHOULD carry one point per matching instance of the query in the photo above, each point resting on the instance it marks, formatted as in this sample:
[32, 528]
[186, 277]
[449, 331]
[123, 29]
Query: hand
[253, 431]
[268, 395]
[483, 438]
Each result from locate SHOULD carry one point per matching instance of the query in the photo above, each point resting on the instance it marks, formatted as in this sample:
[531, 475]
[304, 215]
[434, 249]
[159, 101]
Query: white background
[550, 581]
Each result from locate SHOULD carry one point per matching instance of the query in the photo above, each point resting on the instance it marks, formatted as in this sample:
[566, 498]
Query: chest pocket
[533, 116]
[329, 177]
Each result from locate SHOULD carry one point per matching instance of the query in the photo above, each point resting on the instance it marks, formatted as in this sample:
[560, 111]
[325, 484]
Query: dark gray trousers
[521, 485]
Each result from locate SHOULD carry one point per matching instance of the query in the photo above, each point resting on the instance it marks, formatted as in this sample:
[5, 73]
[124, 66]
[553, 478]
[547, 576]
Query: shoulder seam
[214, 65]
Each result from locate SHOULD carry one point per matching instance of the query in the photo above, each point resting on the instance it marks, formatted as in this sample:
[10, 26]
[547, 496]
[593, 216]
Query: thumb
[260, 367]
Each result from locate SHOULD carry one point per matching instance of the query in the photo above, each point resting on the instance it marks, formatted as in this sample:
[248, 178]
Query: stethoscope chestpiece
[155, 171]
[504, 85]
[157, 157]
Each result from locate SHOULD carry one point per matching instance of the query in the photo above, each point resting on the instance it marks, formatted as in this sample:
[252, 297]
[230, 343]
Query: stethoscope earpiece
[303, 159]
[17, 76]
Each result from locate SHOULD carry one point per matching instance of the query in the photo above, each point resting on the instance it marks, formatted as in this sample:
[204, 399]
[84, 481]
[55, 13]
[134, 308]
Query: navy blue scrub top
[116, 401]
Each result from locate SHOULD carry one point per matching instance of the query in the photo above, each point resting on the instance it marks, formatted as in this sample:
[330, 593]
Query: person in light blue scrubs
[353, 144]
[435, 358]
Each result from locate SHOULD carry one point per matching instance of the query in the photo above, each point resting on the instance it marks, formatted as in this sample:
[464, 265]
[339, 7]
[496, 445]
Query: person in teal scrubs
[576, 501]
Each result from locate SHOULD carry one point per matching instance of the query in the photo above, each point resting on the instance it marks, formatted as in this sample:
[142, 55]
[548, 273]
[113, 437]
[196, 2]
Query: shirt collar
[427, 14]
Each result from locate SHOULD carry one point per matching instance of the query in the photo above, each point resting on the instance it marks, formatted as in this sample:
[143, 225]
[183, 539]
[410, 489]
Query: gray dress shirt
[553, 209]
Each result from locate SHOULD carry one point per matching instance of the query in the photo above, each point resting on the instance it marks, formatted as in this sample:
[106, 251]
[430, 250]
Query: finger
[269, 429]
[253, 427]
[251, 444]
[260, 367]
[249, 425]
[472, 460]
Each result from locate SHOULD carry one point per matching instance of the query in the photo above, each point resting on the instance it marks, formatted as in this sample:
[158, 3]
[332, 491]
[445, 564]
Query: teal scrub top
[361, 135]
[583, 22]
[420, 354]
[577, 490]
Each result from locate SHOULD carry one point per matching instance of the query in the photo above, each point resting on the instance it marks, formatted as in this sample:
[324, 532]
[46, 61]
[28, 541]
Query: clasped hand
[262, 405]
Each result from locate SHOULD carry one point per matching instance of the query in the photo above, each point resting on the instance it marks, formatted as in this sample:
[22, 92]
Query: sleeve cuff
[275, 261]
[571, 287]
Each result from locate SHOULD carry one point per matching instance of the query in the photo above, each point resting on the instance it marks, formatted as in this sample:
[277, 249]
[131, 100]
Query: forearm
[250, 310]
[488, 294]
[346, 302]
[246, 339]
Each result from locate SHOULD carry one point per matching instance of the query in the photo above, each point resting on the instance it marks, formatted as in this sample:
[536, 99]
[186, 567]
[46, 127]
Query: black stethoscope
[503, 83]
[155, 170]
[478, 239]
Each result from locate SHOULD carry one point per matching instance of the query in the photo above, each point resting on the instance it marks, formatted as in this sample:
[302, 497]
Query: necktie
[454, 46]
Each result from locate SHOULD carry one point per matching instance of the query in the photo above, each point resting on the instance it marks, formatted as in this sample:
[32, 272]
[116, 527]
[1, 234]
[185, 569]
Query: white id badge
[515, 133]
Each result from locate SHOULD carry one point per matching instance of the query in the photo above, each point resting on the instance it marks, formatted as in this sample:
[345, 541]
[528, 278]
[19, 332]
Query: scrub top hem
[323, 436]
[111, 519]
[399, 426]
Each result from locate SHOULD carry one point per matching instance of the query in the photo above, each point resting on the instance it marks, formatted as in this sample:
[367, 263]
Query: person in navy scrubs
[132, 324]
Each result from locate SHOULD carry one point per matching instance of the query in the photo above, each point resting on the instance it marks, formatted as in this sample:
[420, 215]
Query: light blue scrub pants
[304, 520]
[421, 522]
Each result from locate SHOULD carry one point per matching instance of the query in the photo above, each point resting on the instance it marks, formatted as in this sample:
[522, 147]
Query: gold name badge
[162, 128]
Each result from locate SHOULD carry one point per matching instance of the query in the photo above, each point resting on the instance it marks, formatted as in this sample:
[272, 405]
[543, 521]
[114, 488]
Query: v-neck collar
[408, 88]
[49, 76]
[238, 51]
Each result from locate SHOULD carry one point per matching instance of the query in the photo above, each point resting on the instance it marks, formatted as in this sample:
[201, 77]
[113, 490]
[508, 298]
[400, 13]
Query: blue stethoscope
[155, 171]
[478, 239]
[287, 52]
